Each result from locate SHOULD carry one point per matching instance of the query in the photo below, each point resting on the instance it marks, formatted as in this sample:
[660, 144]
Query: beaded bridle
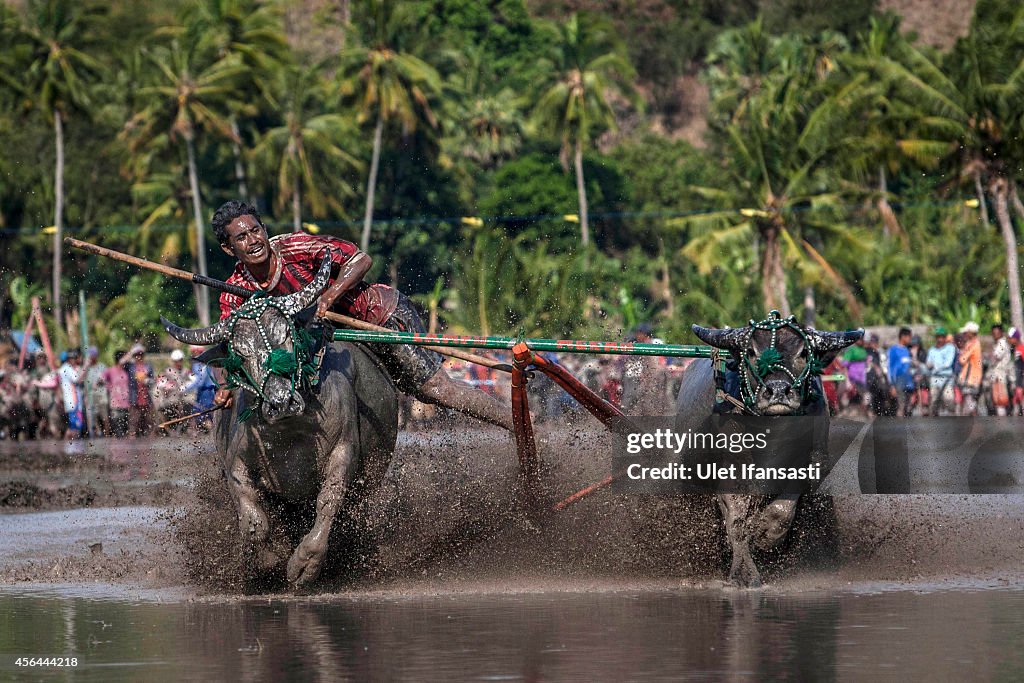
[770, 361]
[301, 365]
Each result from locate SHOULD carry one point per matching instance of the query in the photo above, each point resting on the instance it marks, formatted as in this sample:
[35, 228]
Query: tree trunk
[393, 271]
[980, 191]
[773, 276]
[666, 282]
[810, 306]
[999, 194]
[58, 213]
[891, 224]
[371, 184]
[296, 206]
[201, 293]
[1017, 205]
[236, 149]
[581, 191]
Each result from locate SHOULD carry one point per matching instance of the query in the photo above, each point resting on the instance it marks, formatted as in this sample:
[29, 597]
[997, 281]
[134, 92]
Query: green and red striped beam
[506, 344]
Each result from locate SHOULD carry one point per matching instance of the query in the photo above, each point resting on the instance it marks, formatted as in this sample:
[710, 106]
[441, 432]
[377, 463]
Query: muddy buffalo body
[776, 364]
[306, 427]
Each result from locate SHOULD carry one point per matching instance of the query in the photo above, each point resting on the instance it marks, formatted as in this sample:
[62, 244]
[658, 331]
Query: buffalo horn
[830, 342]
[731, 339]
[203, 336]
[291, 304]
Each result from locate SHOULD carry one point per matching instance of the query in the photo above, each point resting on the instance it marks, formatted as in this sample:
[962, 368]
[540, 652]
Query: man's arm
[350, 274]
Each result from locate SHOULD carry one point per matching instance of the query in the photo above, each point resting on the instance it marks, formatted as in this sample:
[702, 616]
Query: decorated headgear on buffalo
[298, 365]
[820, 348]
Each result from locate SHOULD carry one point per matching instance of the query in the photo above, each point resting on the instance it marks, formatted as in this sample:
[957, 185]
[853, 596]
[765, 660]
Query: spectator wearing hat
[1000, 377]
[70, 388]
[940, 364]
[140, 384]
[855, 361]
[171, 400]
[970, 368]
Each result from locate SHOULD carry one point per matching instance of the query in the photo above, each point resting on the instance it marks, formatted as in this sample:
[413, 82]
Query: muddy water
[615, 588]
[865, 634]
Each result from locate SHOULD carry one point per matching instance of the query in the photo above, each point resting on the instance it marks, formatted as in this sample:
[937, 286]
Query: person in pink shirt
[116, 380]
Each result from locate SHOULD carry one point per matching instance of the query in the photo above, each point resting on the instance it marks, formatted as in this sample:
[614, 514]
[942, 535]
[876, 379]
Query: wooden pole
[158, 267]
[43, 336]
[24, 339]
[164, 425]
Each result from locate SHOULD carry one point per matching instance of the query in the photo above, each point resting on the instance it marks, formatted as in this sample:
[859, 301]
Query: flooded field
[973, 633]
[118, 554]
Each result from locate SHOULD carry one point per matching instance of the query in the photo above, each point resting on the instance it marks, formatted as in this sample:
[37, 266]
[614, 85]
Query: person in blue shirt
[940, 365]
[204, 387]
[901, 373]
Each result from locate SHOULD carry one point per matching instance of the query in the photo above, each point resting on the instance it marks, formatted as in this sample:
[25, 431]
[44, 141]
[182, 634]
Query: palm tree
[53, 72]
[487, 119]
[252, 31]
[306, 150]
[188, 96]
[780, 133]
[588, 65]
[967, 108]
[386, 80]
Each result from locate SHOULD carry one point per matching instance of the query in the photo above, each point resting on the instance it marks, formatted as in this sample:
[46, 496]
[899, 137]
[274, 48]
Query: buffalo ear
[213, 354]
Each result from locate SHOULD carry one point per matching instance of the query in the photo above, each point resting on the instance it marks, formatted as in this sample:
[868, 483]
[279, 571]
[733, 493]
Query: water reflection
[537, 637]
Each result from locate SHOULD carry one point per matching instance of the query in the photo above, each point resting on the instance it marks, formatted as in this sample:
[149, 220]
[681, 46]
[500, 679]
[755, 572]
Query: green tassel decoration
[281, 362]
[767, 361]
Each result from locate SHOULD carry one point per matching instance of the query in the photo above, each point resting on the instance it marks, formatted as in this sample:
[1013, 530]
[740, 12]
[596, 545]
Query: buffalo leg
[775, 520]
[735, 512]
[305, 562]
[252, 519]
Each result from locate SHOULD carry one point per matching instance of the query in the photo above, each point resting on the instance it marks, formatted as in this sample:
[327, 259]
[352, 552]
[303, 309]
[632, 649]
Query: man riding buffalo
[286, 263]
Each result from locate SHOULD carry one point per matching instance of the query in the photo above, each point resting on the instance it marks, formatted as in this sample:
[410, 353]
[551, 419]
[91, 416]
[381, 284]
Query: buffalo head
[259, 345]
[777, 359]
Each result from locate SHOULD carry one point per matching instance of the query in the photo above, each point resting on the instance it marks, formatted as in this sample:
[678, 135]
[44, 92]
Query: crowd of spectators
[84, 397]
[951, 376]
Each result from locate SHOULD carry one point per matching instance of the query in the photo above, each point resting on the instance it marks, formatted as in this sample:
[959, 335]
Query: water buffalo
[778, 362]
[305, 428]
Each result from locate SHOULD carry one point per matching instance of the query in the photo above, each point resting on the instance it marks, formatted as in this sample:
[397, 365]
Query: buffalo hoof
[744, 574]
[304, 564]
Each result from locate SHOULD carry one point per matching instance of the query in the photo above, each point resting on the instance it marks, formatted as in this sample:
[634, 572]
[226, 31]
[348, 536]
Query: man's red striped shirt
[298, 258]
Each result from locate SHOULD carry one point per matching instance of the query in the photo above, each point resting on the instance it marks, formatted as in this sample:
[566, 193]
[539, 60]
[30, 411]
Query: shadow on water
[553, 636]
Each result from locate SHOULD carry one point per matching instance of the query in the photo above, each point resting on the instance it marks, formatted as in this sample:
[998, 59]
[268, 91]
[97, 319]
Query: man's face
[247, 241]
[905, 339]
[997, 333]
[940, 340]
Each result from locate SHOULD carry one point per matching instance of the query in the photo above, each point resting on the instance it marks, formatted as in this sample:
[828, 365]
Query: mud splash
[449, 517]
